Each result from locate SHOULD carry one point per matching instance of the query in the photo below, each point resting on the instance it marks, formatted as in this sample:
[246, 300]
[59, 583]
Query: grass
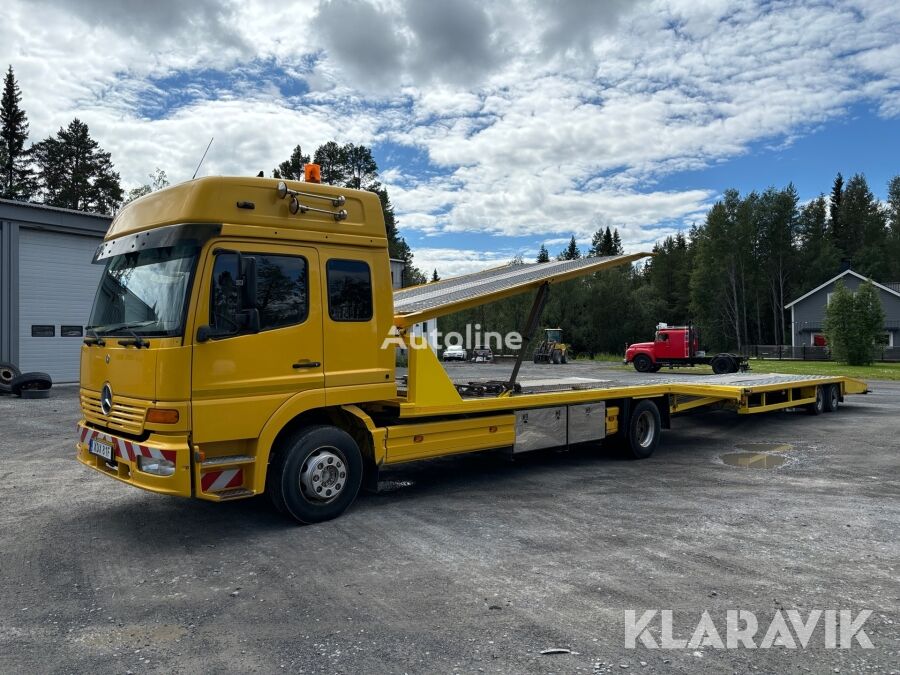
[876, 371]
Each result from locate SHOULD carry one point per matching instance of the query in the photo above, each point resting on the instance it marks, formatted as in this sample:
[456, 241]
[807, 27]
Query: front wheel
[316, 474]
[818, 407]
[642, 363]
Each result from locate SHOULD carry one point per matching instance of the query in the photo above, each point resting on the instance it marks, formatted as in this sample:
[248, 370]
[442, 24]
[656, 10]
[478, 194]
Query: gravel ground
[467, 564]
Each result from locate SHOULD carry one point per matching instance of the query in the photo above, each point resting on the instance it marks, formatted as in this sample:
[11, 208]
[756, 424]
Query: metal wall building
[47, 285]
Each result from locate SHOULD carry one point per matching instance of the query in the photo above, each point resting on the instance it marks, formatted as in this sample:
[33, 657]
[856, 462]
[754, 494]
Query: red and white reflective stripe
[126, 449]
[216, 481]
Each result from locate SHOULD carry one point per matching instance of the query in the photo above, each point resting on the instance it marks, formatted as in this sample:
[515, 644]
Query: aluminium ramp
[419, 303]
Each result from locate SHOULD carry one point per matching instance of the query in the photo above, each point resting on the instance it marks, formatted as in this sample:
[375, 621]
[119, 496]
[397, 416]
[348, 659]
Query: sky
[496, 125]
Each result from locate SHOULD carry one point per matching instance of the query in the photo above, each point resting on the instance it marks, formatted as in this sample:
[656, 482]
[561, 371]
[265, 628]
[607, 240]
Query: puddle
[753, 460]
[764, 447]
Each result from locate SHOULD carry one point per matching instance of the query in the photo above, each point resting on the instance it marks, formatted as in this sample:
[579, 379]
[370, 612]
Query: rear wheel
[642, 363]
[643, 431]
[722, 364]
[832, 397]
[316, 474]
[818, 407]
[565, 357]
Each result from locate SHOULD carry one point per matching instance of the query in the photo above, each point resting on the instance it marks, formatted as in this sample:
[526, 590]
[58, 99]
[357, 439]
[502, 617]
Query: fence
[809, 353]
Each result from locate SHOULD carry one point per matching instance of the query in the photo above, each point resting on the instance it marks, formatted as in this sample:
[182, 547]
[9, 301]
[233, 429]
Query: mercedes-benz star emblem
[106, 399]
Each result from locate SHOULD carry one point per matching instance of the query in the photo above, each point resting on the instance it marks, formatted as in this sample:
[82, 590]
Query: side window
[349, 290]
[225, 302]
[282, 291]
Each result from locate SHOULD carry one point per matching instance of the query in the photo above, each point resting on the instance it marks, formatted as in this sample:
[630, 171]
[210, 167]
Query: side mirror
[203, 334]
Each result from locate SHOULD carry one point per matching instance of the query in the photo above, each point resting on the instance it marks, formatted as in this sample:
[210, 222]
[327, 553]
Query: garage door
[56, 290]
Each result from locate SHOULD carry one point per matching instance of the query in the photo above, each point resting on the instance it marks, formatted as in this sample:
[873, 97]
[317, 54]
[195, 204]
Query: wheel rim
[6, 375]
[644, 429]
[323, 475]
[820, 399]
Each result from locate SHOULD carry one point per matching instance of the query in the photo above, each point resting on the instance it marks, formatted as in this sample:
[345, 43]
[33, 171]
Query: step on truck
[243, 341]
[679, 347]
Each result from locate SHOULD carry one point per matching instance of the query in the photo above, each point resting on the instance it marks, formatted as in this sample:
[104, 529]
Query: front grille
[122, 417]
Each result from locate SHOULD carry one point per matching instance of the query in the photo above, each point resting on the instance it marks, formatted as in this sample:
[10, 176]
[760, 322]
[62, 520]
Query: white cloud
[537, 119]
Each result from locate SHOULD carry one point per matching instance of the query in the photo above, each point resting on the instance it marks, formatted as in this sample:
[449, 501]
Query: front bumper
[125, 465]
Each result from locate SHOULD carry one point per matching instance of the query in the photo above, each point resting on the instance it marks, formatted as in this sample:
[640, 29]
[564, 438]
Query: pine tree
[571, 251]
[333, 162]
[543, 255]
[893, 217]
[361, 168]
[75, 172]
[292, 169]
[18, 179]
[434, 275]
[817, 250]
[834, 211]
[864, 228]
[617, 248]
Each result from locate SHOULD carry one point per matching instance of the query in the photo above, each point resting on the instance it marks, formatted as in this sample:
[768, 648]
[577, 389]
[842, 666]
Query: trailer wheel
[8, 372]
[29, 382]
[643, 431]
[316, 474]
[818, 407]
[642, 363]
[832, 397]
[721, 365]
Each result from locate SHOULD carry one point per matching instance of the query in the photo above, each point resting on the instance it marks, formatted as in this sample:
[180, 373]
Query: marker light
[162, 416]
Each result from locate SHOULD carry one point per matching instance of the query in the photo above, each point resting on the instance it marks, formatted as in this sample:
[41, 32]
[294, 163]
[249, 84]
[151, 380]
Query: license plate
[101, 449]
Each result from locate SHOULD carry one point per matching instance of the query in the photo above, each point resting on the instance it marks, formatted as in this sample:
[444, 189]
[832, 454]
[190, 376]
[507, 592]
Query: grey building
[47, 285]
[808, 311]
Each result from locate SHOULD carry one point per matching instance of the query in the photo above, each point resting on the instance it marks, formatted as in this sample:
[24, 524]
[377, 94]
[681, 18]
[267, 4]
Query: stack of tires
[25, 385]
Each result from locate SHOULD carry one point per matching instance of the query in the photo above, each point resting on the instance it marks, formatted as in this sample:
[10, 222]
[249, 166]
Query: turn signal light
[162, 416]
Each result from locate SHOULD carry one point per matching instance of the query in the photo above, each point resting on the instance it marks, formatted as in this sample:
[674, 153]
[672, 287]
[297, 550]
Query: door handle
[307, 364]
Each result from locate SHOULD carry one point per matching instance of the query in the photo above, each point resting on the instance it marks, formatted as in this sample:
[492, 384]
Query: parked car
[455, 353]
[482, 355]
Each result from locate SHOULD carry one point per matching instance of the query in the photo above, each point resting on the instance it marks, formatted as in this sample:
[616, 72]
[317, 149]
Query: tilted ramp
[419, 303]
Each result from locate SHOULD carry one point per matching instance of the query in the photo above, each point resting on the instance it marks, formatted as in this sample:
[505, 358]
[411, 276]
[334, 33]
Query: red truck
[679, 346]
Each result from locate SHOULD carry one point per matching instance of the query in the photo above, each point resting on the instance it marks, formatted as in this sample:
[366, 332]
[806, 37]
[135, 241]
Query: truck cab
[208, 330]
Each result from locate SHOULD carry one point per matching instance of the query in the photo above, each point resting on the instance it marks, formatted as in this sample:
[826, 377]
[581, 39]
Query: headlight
[158, 467]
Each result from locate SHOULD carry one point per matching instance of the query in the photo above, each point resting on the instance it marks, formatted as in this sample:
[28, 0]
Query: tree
[571, 251]
[617, 248]
[361, 169]
[292, 169]
[819, 255]
[158, 180]
[333, 162]
[837, 196]
[434, 275]
[854, 323]
[864, 228]
[18, 179]
[75, 172]
[543, 255]
[893, 217]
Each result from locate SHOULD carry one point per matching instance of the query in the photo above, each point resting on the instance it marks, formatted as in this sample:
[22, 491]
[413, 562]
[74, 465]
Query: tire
[643, 431]
[642, 363]
[721, 365]
[555, 357]
[832, 397]
[565, 357]
[537, 359]
[292, 476]
[818, 407]
[30, 381]
[8, 372]
[655, 368]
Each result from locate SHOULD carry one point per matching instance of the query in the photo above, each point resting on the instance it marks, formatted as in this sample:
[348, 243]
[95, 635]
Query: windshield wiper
[127, 326]
[94, 339]
[135, 341]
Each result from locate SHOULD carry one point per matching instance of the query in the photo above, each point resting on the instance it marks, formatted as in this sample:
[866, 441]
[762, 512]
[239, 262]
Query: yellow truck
[243, 341]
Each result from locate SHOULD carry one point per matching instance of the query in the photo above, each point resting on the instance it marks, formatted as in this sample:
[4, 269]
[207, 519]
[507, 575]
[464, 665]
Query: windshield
[144, 292]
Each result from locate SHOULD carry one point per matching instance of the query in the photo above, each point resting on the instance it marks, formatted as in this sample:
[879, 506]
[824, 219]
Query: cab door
[243, 370]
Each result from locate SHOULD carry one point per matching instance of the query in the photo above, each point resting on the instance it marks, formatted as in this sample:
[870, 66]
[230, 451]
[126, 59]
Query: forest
[731, 274]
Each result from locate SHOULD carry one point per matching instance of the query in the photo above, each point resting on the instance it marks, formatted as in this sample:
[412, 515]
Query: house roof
[892, 288]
